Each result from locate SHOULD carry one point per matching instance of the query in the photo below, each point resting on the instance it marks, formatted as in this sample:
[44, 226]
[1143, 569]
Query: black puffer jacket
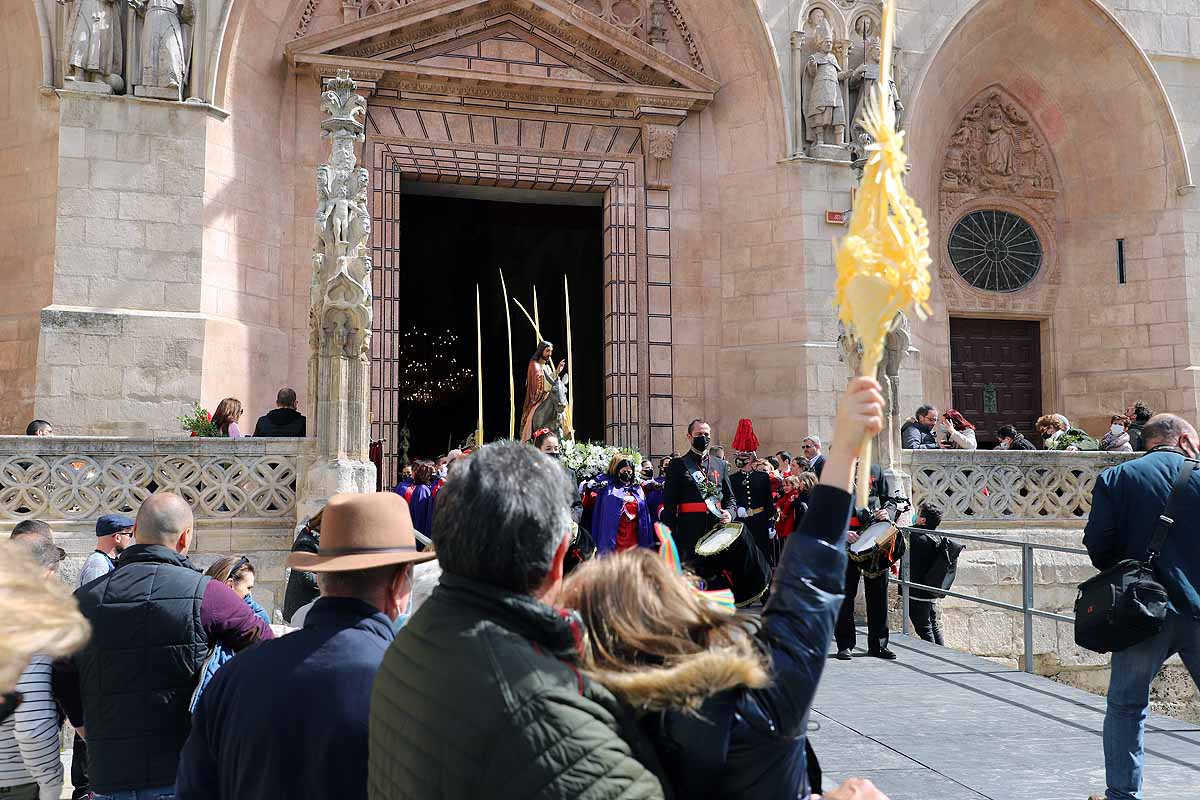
[137, 674]
[749, 743]
[301, 586]
[479, 698]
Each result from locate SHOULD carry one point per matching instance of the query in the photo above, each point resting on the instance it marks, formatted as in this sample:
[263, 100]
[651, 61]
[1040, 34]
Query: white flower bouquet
[590, 459]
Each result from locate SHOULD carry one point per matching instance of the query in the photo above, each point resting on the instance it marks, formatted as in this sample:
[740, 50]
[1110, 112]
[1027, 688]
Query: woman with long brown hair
[226, 417]
[726, 699]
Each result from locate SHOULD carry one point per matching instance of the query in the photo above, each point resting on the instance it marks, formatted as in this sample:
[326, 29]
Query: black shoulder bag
[1125, 604]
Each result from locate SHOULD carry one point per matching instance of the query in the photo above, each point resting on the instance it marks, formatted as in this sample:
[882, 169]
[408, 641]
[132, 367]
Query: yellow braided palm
[883, 261]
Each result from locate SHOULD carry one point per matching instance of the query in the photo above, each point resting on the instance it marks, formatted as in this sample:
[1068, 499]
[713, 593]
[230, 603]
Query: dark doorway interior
[996, 374]
[448, 244]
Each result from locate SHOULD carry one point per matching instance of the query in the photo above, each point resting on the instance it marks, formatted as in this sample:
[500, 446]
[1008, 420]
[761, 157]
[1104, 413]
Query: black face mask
[701, 442]
[648, 472]
[8, 705]
[555, 456]
[626, 476]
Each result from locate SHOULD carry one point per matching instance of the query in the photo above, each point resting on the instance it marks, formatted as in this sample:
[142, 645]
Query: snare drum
[878, 547]
[727, 558]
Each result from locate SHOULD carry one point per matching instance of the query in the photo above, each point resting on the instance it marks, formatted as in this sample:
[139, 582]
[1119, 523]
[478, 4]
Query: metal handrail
[1027, 608]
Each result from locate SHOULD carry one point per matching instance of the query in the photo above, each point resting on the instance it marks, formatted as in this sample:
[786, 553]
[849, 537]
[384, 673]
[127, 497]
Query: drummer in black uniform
[883, 507]
[684, 510]
[752, 490]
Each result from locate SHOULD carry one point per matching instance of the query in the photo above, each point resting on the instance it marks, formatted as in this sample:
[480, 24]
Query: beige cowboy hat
[361, 531]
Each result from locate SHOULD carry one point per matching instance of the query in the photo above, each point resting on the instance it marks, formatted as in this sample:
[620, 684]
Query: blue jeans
[162, 793]
[1133, 671]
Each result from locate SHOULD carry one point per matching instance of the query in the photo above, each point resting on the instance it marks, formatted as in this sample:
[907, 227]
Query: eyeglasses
[809, 447]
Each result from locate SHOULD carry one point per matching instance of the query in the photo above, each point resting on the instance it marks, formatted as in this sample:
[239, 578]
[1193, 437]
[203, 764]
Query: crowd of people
[496, 627]
[950, 430]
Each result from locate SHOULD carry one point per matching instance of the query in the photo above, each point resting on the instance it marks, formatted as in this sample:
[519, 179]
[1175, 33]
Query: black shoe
[884, 653]
[844, 654]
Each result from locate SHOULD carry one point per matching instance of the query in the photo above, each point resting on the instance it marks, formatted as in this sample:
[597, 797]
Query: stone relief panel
[996, 158]
[659, 22]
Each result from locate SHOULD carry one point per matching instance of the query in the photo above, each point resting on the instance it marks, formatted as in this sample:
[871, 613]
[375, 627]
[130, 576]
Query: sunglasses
[242, 562]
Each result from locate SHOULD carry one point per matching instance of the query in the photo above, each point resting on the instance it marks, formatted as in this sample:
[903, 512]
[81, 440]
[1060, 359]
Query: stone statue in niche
[866, 78]
[96, 52]
[824, 107]
[159, 62]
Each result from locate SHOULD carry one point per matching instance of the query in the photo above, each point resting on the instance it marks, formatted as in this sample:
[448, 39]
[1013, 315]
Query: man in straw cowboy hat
[290, 719]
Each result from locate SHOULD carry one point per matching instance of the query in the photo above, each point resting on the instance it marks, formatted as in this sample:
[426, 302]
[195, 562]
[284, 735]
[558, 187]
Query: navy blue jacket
[749, 743]
[289, 718]
[1126, 504]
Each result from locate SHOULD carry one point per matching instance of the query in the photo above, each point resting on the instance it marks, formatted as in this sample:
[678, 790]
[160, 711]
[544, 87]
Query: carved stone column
[340, 306]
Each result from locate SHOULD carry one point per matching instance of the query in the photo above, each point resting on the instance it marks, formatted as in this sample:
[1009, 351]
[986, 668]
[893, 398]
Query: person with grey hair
[1127, 502]
[480, 696]
[811, 447]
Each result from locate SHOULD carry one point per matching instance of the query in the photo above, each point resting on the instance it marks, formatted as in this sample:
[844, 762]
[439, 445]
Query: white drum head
[872, 536]
[718, 539]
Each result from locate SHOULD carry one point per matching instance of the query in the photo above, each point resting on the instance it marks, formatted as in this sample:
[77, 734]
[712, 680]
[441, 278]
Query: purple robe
[606, 515]
[654, 496]
[420, 506]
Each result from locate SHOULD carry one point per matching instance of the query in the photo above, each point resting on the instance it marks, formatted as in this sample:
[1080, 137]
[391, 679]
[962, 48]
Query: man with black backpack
[933, 561]
[1129, 504]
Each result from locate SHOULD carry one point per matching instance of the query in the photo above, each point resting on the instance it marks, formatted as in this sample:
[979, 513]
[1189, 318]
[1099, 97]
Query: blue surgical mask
[404, 616]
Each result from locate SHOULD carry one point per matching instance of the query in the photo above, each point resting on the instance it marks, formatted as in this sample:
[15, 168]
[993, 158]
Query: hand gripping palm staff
[883, 263]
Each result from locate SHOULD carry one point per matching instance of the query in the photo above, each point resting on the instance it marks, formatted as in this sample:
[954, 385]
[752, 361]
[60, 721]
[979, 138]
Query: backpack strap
[1167, 518]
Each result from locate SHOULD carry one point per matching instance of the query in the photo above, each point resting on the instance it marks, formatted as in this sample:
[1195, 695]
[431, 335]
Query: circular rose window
[996, 251]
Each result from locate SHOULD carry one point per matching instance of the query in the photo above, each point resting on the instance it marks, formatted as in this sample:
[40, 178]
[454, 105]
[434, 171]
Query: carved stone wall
[995, 486]
[242, 493]
[996, 158]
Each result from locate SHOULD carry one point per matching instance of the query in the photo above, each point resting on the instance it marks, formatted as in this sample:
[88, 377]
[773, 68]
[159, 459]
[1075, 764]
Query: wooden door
[996, 374]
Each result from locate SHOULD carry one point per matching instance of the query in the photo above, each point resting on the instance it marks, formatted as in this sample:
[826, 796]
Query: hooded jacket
[281, 422]
[748, 738]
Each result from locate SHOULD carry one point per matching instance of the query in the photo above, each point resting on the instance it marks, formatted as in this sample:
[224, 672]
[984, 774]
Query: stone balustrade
[994, 486]
[242, 492]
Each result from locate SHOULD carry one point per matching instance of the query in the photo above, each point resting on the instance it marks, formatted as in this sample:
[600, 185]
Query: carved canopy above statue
[562, 54]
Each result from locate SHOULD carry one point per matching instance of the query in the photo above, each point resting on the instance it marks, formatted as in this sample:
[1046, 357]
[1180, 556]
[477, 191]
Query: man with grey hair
[480, 696]
[1126, 504]
[811, 447]
[153, 623]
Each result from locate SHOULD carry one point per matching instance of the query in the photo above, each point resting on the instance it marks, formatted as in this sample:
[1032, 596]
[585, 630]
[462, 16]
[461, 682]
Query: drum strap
[692, 508]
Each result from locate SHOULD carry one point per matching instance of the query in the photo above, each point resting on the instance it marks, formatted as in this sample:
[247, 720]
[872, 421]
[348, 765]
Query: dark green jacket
[479, 697]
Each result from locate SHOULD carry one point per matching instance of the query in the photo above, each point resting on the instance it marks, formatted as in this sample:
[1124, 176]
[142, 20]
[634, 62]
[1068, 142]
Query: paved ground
[942, 725]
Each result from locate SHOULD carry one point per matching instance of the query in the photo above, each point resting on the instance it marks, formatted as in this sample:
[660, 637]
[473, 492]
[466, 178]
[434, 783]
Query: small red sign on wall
[836, 217]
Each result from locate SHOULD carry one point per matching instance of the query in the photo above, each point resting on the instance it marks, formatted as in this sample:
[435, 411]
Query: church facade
[157, 212]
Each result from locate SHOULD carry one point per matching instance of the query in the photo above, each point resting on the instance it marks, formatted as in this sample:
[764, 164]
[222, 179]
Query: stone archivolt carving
[310, 8]
[997, 158]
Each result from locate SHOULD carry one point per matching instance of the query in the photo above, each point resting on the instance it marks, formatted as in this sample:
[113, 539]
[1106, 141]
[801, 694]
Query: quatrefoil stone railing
[998, 486]
[81, 478]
